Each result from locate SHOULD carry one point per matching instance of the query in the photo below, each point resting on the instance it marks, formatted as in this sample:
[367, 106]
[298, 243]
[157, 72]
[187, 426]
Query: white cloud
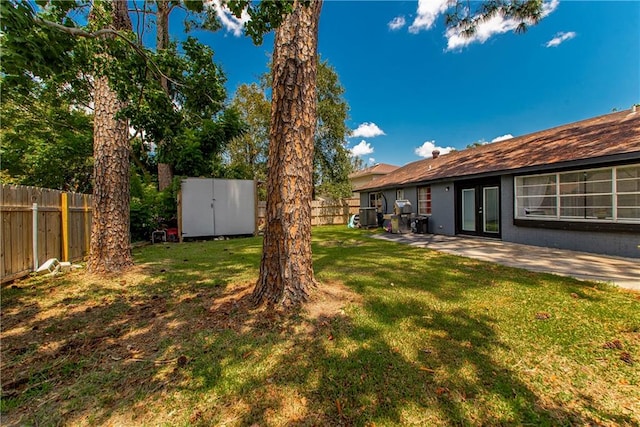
[549, 7]
[397, 23]
[559, 38]
[372, 161]
[362, 149]
[487, 29]
[367, 130]
[426, 149]
[428, 12]
[228, 19]
[502, 138]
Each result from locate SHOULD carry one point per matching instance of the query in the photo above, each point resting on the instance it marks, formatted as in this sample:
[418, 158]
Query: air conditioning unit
[368, 218]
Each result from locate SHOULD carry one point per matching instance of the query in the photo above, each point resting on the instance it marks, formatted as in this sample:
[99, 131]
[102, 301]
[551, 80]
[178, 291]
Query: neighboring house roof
[377, 169]
[596, 140]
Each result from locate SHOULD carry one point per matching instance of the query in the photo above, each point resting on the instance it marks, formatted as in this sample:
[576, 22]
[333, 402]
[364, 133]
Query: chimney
[435, 153]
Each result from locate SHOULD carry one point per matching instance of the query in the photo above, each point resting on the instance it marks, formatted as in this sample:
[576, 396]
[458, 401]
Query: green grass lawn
[393, 335]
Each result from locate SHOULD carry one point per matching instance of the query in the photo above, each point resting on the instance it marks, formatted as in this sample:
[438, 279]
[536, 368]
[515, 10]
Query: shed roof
[596, 138]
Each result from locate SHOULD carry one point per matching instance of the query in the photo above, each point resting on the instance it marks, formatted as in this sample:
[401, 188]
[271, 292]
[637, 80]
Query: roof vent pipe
[435, 153]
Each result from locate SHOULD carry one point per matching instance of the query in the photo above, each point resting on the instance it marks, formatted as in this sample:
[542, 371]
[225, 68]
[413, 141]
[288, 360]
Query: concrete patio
[622, 272]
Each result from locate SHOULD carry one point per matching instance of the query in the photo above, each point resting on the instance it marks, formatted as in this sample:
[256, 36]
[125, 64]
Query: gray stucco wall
[625, 244]
[443, 216]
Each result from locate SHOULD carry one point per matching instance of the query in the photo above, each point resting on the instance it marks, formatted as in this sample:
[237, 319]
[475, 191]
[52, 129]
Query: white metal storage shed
[217, 207]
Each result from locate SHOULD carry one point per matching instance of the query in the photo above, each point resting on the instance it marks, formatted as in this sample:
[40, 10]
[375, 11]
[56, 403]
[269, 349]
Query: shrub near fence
[323, 212]
[39, 224]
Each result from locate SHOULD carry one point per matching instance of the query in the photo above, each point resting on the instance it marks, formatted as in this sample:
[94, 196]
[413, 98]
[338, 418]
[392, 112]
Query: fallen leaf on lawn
[429, 370]
[182, 361]
[339, 407]
[442, 390]
[330, 337]
[613, 345]
[574, 295]
[626, 358]
[542, 315]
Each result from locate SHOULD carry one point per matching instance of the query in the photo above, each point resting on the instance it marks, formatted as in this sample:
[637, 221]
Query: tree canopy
[331, 161]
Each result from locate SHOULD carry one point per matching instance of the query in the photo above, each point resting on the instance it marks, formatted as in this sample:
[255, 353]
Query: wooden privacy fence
[39, 224]
[323, 212]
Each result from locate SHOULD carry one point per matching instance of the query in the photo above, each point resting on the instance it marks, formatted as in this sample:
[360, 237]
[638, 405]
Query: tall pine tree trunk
[165, 171]
[110, 250]
[286, 270]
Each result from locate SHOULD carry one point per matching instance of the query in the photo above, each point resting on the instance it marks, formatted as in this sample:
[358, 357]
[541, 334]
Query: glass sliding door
[491, 209]
[469, 209]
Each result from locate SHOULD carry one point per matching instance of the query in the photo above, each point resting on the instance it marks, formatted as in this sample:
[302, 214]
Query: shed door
[197, 208]
[233, 207]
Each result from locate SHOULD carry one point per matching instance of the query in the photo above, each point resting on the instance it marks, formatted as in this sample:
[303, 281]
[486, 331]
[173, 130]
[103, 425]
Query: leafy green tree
[331, 161]
[45, 141]
[46, 121]
[331, 158]
[163, 9]
[247, 153]
[190, 118]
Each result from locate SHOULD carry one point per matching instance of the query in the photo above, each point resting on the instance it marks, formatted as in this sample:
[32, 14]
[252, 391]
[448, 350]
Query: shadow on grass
[179, 343]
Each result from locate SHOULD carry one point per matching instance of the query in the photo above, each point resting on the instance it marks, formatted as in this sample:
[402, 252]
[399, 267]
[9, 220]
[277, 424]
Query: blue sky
[410, 87]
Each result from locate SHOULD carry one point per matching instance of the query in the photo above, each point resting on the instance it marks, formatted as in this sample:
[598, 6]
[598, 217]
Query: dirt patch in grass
[77, 349]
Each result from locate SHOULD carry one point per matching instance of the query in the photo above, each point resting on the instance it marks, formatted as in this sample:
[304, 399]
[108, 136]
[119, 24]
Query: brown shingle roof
[378, 169]
[611, 134]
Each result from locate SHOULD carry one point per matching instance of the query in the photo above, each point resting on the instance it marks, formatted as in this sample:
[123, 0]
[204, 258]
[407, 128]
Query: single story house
[574, 187]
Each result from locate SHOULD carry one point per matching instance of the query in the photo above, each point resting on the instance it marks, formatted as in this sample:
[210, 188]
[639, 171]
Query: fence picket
[16, 217]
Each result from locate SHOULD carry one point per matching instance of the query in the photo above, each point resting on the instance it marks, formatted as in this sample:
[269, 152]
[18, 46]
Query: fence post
[64, 207]
[34, 238]
[87, 224]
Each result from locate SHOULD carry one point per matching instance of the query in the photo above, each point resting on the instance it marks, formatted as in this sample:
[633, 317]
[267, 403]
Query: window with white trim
[375, 201]
[400, 194]
[424, 200]
[603, 194]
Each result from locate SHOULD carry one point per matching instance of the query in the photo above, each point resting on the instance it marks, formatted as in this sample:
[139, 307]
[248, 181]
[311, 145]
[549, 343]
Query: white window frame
[375, 201]
[428, 200]
[558, 197]
[400, 194]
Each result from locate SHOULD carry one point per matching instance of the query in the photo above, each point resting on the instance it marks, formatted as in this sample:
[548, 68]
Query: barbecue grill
[402, 207]
[401, 218]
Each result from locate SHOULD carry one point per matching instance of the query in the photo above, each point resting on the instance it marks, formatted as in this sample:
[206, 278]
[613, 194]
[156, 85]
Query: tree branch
[77, 32]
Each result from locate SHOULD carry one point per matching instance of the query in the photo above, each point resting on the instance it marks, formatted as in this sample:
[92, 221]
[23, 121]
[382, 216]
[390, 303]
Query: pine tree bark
[165, 171]
[286, 270]
[110, 249]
